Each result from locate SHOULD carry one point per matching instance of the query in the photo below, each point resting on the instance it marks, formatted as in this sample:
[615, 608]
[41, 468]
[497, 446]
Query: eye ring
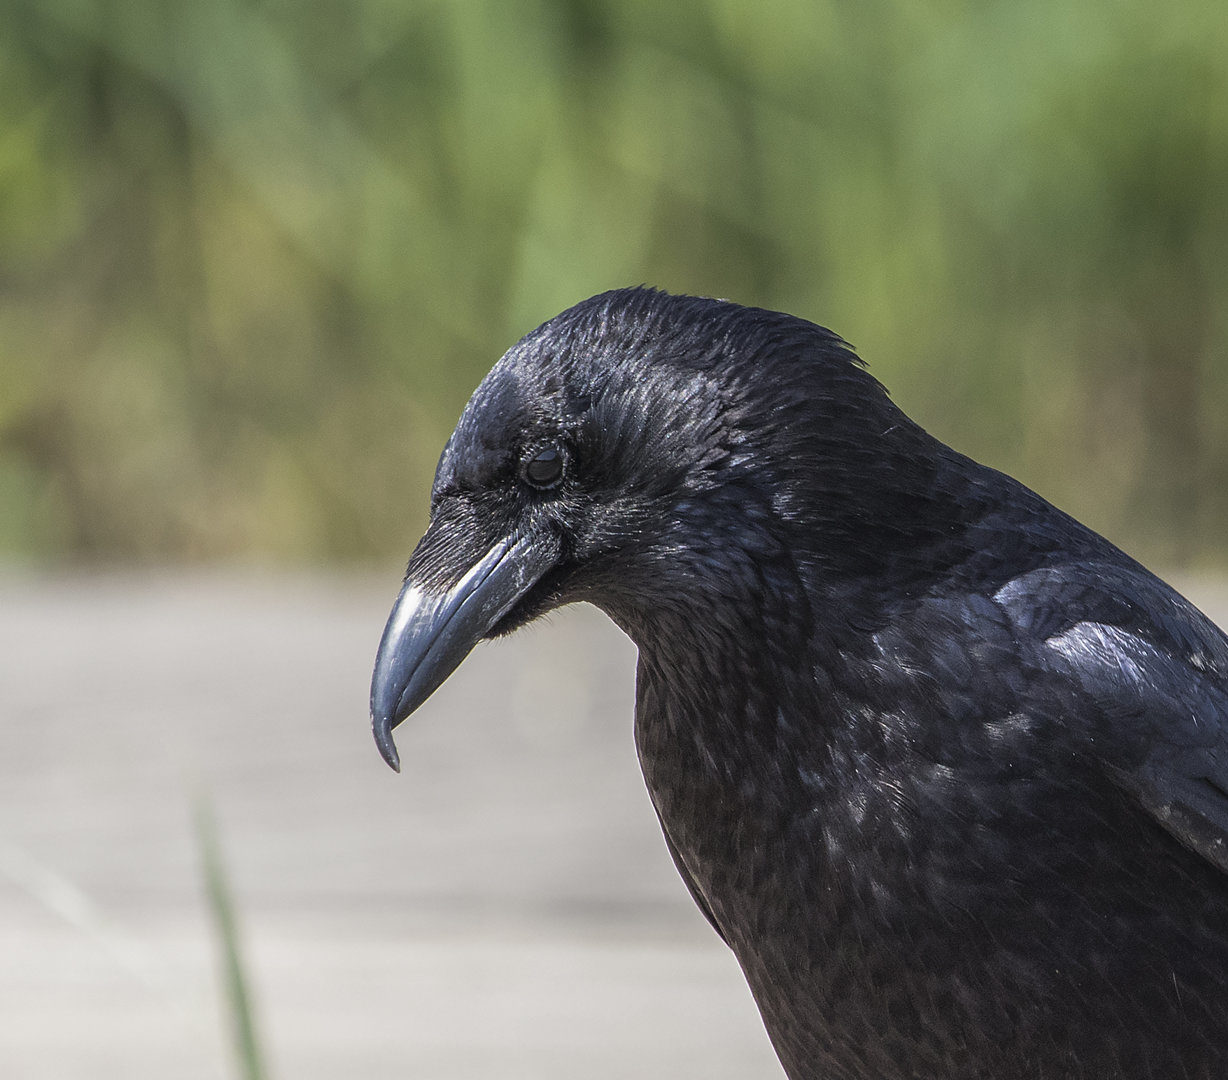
[544, 468]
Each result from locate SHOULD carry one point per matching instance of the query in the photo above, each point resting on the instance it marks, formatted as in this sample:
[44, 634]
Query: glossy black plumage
[944, 768]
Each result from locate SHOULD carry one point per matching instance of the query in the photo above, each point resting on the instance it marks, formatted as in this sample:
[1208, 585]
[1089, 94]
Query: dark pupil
[545, 468]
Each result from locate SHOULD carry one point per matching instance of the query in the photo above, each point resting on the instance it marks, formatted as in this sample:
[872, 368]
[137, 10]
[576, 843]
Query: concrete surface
[504, 908]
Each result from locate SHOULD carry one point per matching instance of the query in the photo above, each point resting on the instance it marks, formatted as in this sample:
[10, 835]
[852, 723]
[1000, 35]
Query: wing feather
[1155, 669]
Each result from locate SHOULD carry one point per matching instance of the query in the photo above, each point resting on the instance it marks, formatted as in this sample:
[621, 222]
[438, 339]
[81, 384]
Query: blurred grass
[254, 255]
[237, 1000]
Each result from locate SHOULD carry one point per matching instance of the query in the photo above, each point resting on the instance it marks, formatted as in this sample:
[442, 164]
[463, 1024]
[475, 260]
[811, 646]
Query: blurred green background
[255, 254]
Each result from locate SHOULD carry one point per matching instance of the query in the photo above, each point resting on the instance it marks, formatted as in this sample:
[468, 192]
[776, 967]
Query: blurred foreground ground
[503, 909]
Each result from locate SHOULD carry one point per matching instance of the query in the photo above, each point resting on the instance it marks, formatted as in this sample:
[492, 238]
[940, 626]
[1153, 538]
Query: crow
[943, 767]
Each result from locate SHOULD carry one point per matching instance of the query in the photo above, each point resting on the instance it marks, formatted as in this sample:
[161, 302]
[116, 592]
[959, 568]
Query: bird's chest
[746, 800]
[811, 900]
[866, 889]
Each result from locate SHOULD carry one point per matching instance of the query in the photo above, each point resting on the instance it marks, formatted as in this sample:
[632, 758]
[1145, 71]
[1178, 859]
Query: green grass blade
[237, 995]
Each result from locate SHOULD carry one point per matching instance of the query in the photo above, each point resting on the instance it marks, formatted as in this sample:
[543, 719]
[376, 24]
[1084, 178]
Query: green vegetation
[236, 996]
[254, 254]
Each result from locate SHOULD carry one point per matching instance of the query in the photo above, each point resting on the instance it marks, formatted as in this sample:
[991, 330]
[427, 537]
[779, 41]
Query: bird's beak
[432, 628]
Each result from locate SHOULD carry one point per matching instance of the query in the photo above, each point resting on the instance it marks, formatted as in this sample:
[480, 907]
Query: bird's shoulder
[1129, 642]
[1135, 675]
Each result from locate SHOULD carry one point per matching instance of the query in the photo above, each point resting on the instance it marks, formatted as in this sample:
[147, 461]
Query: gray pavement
[504, 908]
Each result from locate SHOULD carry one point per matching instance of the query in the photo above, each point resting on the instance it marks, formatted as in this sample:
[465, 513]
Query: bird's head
[651, 454]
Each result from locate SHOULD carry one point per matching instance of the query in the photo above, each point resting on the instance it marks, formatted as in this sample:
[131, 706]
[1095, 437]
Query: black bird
[943, 767]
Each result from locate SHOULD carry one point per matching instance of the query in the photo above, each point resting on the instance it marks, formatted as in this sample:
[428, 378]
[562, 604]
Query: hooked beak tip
[432, 629]
[381, 728]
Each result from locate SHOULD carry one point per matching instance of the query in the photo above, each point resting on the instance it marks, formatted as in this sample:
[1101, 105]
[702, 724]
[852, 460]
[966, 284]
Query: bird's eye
[544, 469]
